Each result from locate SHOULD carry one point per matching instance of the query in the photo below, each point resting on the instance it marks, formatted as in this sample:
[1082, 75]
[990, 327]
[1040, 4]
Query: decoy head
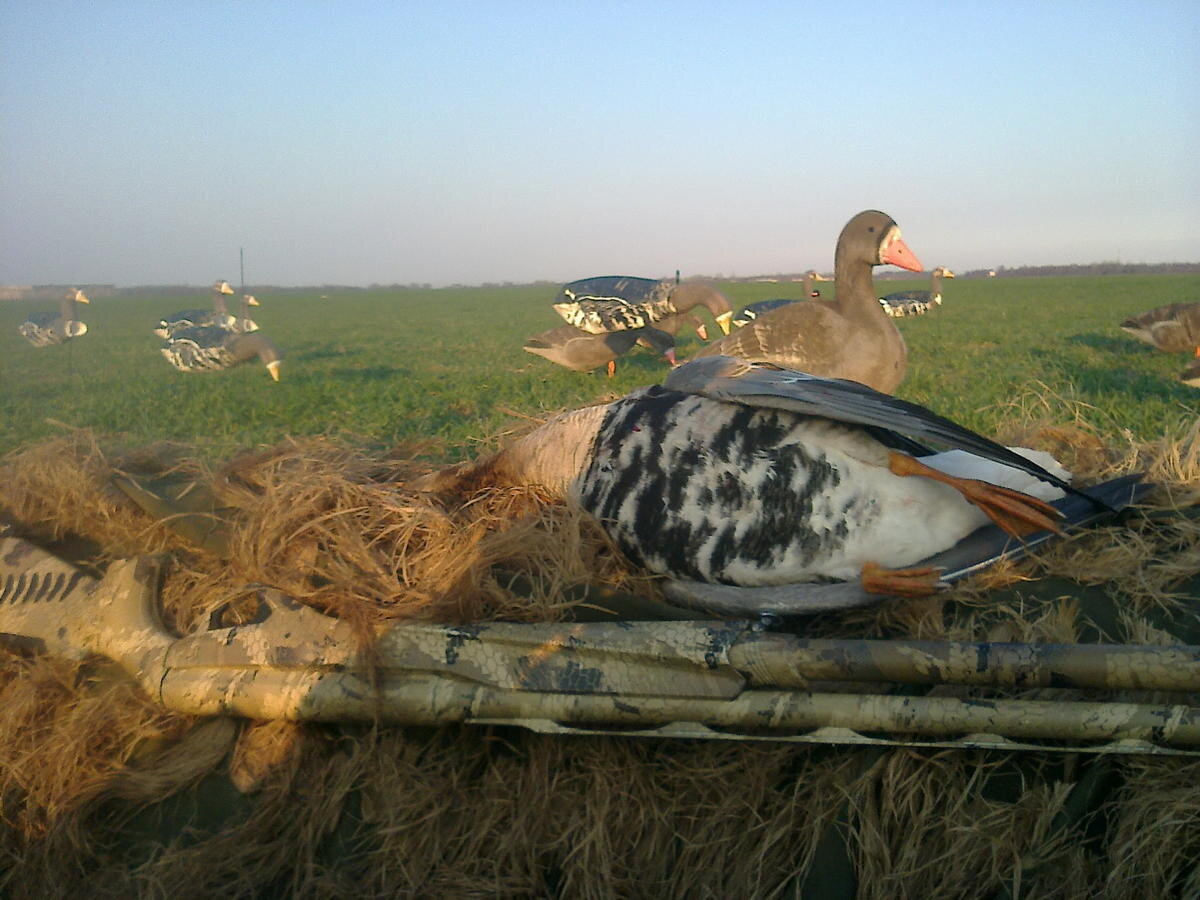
[687, 296]
[222, 287]
[873, 237]
[78, 296]
[250, 300]
[944, 272]
[248, 346]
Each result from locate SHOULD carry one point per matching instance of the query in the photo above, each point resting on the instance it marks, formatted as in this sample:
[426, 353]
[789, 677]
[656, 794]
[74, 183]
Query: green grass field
[447, 365]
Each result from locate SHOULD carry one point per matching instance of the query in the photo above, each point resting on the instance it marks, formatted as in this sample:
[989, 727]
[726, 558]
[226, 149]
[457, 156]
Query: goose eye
[871, 229]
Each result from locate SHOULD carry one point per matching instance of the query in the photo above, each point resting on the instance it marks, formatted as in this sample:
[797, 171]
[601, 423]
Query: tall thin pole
[242, 266]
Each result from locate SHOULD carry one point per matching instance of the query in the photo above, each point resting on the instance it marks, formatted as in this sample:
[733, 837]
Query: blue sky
[467, 142]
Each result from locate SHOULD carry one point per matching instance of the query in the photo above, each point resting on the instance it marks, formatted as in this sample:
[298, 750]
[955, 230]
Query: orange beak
[898, 254]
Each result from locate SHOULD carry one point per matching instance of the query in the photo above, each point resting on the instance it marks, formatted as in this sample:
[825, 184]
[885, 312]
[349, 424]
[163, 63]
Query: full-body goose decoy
[751, 476]
[620, 302]
[576, 349]
[218, 315]
[916, 303]
[211, 348]
[47, 329]
[1174, 328]
[752, 311]
[848, 337]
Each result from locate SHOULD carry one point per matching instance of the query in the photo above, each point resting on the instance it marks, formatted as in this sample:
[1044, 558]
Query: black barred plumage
[202, 348]
[210, 348]
[755, 496]
[610, 303]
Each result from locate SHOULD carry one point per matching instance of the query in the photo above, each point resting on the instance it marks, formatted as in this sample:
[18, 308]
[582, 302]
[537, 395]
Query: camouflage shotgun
[711, 679]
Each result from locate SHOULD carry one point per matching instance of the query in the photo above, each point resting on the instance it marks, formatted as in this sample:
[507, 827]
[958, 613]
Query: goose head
[78, 296]
[222, 287]
[873, 238]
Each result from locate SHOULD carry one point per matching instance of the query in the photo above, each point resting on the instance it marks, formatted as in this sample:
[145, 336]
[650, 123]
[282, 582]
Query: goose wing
[895, 422]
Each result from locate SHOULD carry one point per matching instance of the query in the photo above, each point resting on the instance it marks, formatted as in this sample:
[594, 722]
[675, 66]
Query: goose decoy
[672, 325]
[749, 476]
[576, 349]
[47, 329]
[620, 302]
[219, 315]
[848, 337]
[1174, 328]
[211, 348]
[752, 311]
[916, 303]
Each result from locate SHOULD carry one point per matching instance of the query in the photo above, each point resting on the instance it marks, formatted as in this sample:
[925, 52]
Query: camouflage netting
[104, 792]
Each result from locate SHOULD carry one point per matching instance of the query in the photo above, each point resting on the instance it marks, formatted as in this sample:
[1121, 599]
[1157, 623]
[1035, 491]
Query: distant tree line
[1097, 268]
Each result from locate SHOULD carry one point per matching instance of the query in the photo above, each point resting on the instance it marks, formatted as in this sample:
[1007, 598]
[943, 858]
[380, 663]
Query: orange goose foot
[911, 583]
[1016, 513]
[612, 368]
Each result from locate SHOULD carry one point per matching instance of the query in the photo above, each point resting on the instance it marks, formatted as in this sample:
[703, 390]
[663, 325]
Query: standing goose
[848, 337]
[916, 303]
[218, 315]
[748, 475]
[752, 311]
[620, 302]
[576, 349]
[47, 329]
[211, 348]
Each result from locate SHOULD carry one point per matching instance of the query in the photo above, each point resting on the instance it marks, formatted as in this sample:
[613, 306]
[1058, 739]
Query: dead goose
[848, 337]
[619, 302]
[750, 476]
[218, 315]
[47, 329]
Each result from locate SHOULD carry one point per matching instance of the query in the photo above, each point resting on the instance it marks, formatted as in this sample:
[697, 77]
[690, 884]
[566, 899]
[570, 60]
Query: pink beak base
[898, 254]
